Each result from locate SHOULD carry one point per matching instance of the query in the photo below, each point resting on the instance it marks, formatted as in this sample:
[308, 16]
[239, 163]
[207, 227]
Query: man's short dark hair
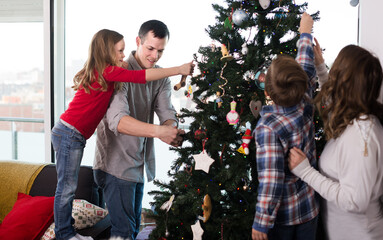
[159, 29]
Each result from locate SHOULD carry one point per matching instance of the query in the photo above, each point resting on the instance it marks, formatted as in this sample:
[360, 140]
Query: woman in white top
[351, 165]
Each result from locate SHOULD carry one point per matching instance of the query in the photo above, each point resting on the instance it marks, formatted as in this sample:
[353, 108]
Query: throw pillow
[28, 219]
[85, 215]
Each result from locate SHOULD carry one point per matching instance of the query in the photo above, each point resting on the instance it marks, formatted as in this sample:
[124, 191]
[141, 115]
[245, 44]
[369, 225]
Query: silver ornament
[249, 75]
[264, 3]
[354, 3]
[239, 17]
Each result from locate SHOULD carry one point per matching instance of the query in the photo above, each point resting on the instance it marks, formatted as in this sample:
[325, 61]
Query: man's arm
[120, 121]
[164, 108]
[166, 132]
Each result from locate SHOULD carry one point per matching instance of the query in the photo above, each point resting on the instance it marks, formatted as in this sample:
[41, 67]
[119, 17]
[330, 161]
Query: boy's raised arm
[305, 55]
[306, 24]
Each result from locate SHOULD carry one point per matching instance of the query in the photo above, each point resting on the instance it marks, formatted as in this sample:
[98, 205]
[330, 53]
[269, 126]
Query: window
[22, 81]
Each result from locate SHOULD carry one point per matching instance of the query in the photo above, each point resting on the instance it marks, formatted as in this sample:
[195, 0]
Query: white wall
[370, 29]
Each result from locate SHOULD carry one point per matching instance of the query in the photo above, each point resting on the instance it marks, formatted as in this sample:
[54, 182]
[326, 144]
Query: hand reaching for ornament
[318, 57]
[306, 24]
[169, 134]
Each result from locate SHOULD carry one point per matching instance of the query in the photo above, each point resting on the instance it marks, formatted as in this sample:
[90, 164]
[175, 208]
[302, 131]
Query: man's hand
[256, 235]
[296, 156]
[170, 134]
[306, 24]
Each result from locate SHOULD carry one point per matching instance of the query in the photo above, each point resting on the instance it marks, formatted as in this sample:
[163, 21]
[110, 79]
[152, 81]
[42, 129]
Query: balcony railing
[13, 121]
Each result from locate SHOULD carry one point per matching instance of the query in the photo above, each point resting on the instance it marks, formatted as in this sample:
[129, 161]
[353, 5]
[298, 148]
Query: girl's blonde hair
[101, 54]
[351, 91]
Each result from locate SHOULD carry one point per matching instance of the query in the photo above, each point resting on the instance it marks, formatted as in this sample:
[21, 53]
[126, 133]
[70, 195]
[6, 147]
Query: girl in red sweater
[80, 120]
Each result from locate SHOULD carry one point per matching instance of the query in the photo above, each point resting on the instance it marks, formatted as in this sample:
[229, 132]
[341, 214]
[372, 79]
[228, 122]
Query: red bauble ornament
[200, 134]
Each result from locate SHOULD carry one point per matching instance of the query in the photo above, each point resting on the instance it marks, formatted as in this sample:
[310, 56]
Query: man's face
[149, 50]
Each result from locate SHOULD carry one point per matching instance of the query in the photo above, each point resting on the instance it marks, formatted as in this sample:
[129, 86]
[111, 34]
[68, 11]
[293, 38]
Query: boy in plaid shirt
[287, 207]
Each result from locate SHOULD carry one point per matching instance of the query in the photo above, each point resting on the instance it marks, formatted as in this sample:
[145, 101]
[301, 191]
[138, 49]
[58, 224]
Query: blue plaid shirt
[282, 197]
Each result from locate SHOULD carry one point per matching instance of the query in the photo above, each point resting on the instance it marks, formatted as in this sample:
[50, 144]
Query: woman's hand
[318, 57]
[256, 235]
[296, 156]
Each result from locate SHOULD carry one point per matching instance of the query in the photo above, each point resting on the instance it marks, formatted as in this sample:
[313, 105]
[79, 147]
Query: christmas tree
[212, 190]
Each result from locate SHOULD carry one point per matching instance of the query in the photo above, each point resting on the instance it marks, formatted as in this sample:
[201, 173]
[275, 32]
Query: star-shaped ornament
[197, 231]
[202, 162]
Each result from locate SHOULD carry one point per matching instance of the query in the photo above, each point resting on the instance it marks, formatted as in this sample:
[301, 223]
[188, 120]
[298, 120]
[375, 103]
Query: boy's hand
[296, 156]
[307, 23]
[318, 57]
[186, 69]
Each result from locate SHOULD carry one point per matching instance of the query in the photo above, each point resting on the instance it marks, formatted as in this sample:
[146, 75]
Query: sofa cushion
[15, 176]
[28, 219]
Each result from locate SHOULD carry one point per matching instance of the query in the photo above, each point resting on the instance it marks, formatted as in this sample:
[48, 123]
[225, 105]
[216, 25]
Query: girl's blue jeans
[69, 147]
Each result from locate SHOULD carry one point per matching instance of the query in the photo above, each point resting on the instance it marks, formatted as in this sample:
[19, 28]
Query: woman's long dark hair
[351, 91]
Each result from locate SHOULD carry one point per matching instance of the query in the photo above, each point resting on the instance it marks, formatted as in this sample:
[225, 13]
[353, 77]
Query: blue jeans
[69, 147]
[304, 231]
[124, 201]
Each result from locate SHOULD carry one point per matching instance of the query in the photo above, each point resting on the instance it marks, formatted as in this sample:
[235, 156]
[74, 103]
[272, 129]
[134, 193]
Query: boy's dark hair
[286, 81]
[159, 29]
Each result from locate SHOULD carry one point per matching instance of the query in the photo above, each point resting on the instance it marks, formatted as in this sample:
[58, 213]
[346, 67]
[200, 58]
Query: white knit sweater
[351, 182]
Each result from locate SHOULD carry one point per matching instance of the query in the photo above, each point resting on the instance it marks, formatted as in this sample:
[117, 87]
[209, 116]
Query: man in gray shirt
[125, 135]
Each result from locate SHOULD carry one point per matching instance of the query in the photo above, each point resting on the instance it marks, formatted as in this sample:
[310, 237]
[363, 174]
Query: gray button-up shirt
[125, 156]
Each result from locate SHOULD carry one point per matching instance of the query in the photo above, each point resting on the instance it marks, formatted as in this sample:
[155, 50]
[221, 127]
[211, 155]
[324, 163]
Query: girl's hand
[186, 69]
[296, 156]
[318, 57]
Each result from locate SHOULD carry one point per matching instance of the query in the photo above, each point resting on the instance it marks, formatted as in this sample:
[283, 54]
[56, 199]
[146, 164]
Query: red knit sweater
[86, 110]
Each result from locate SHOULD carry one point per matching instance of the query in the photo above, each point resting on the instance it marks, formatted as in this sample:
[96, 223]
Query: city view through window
[22, 91]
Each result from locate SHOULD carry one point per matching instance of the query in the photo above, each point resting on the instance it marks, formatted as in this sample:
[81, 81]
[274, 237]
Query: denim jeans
[304, 231]
[124, 201]
[69, 147]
